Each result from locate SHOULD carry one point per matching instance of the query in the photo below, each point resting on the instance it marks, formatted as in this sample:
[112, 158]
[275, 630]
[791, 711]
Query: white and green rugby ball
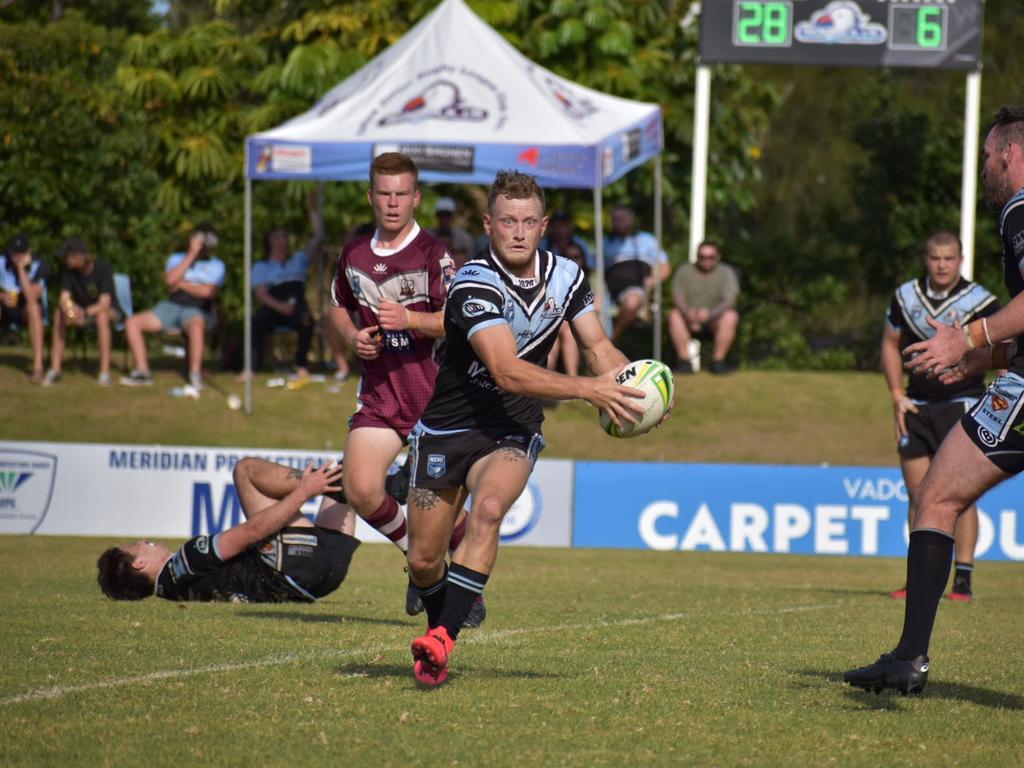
[654, 379]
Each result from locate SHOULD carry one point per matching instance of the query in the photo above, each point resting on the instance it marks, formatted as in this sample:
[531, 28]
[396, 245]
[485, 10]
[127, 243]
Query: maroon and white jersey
[396, 387]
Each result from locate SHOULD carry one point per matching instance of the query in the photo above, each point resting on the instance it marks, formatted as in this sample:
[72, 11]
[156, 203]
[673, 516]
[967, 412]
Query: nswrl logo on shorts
[436, 465]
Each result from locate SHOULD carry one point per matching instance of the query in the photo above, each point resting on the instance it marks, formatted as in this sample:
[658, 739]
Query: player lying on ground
[276, 555]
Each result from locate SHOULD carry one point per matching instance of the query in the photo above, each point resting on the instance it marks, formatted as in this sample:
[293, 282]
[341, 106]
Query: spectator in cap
[23, 280]
[460, 242]
[87, 298]
[193, 278]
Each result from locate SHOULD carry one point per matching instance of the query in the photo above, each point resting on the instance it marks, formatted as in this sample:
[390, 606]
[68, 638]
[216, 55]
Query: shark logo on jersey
[441, 100]
[841, 23]
[476, 307]
[436, 465]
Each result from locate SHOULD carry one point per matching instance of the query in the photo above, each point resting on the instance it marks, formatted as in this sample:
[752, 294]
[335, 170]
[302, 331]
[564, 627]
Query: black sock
[928, 560]
[962, 578]
[464, 586]
[433, 598]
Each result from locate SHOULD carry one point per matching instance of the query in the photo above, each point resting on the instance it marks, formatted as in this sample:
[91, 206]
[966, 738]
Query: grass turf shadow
[375, 670]
[323, 618]
[935, 689]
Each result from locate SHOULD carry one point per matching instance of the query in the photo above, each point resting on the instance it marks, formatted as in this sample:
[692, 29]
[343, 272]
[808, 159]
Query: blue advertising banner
[778, 509]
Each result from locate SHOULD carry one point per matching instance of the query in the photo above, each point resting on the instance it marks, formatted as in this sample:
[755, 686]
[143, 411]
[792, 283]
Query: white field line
[476, 638]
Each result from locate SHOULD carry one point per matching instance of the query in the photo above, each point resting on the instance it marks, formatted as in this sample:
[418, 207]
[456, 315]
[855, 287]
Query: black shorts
[927, 428]
[15, 315]
[996, 423]
[625, 275]
[315, 559]
[443, 460]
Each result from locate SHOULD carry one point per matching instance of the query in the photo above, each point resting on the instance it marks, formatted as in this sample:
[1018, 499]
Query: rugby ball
[654, 379]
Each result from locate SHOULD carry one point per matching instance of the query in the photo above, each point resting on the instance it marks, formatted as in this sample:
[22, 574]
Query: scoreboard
[942, 34]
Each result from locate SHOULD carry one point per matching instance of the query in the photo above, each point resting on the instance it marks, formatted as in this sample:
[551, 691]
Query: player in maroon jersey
[388, 299]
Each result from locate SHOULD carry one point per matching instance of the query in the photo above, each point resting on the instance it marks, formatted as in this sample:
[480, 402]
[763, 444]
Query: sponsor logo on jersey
[551, 309]
[467, 272]
[26, 486]
[440, 100]
[477, 307]
[840, 23]
[476, 369]
[999, 403]
[509, 311]
[203, 545]
[355, 286]
[436, 466]
[380, 269]
[588, 299]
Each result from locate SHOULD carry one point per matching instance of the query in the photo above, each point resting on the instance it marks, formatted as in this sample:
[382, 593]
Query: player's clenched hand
[943, 350]
[318, 480]
[619, 401]
[367, 342]
[393, 317]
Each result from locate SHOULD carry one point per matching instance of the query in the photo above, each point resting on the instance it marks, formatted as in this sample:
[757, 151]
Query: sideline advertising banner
[777, 509]
[133, 491]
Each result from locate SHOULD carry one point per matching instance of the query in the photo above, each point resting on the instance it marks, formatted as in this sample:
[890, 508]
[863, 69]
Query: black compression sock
[962, 578]
[464, 586]
[928, 559]
[433, 598]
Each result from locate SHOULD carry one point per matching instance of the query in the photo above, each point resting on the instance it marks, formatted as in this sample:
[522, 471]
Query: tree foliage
[128, 128]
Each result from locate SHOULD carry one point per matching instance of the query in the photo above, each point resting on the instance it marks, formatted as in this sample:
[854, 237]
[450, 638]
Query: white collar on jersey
[521, 282]
[933, 294]
[375, 241]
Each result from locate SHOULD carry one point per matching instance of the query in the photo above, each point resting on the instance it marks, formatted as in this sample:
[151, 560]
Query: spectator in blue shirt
[630, 261]
[193, 279]
[23, 280]
[279, 287]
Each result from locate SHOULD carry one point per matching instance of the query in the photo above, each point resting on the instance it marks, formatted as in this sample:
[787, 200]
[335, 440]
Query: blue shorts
[173, 315]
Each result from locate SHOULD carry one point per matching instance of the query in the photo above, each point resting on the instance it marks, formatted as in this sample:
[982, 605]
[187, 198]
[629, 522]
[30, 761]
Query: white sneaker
[104, 379]
[195, 378]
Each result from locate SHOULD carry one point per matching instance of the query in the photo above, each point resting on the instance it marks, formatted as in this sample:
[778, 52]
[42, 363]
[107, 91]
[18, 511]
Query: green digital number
[762, 23]
[929, 27]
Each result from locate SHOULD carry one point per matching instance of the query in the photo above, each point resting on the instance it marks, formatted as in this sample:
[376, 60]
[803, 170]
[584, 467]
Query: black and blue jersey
[482, 295]
[1011, 230]
[911, 306]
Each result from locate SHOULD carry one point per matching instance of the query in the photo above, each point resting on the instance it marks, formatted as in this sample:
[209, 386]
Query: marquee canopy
[463, 103]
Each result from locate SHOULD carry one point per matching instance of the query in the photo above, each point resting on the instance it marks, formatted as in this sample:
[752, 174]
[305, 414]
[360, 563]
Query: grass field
[588, 657]
[752, 416]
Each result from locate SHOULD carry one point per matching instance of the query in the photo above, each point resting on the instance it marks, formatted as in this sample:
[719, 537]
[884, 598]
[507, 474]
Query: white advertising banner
[133, 491]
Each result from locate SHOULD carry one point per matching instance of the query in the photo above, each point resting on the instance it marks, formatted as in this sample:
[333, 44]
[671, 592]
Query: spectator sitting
[561, 234]
[279, 285]
[193, 278]
[461, 240]
[704, 307]
[86, 298]
[565, 345]
[629, 260]
[23, 279]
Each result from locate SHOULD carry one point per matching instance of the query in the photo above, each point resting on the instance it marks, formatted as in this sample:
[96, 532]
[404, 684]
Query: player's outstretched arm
[496, 347]
[598, 351]
[314, 482]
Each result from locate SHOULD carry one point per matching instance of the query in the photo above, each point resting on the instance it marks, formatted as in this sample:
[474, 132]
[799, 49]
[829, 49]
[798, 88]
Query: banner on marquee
[134, 491]
[777, 509]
